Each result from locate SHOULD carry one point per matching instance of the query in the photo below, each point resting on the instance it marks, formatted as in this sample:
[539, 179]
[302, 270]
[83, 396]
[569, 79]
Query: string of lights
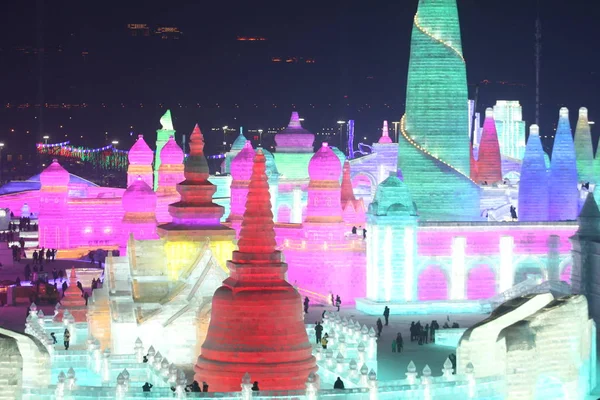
[107, 157]
[423, 150]
[426, 32]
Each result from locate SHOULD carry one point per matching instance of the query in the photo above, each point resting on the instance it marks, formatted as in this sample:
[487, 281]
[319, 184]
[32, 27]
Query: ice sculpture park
[211, 271]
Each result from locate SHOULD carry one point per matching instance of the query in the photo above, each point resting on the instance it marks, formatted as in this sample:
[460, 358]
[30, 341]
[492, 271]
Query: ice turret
[256, 324]
[241, 170]
[584, 149]
[162, 137]
[489, 165]
[54, 194]
[563, 196]
[324, 199]
[140, 162]
[385, 134]
[139, 203]
[353, 210]
[533, 188]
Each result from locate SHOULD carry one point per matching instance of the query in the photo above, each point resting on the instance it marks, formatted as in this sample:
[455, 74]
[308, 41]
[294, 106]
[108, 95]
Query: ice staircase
[530, 285]
[314, 297]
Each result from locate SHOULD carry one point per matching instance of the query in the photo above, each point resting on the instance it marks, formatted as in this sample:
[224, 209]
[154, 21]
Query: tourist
[145, 359]
[393, 345]
[48, 254]
[399, 342]
[194, 387]
[27, 272]
[64, 287]
[306, 301]
[452, 358]
[94, 284]
[54, 254]
[204, 386]
[18, 281]
[55, 274]
[338, 302]
[41, 255]
[513, 213]
[318, 332]
[80, 286]
[61, 274]
[332, 300]
[386, 314]
[432, 328]
[426, 334]
[255, 387]
[86, 296]
[364, 233]
[339, 384]
[354, 230]
[35, 257]
[379, 327]
[66, 338]
[53, 338]
[147, 387]
[324, 341]
[455, 325]
[412, 331]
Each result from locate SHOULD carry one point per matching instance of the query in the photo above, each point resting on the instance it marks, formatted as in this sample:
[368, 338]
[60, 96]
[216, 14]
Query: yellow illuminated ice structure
[181, 254]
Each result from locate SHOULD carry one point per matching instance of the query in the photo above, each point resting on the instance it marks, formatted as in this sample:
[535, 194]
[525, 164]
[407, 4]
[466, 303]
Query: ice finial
[583, 112]
[246, 379]
[564, 112]
[196, 142]
[411, 367]
[257, 234]
[73, 277]
[385, 134]
[534, 130]
[295, 121]
[489, 112]
[166, 121]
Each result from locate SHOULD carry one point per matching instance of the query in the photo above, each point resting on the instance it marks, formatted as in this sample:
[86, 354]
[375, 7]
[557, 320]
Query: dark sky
[361, 50]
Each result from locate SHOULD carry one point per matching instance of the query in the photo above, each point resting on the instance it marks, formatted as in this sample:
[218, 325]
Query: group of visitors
[7, 236]
[49, 254]
[24, 225]
[423, 334]
[355, 231]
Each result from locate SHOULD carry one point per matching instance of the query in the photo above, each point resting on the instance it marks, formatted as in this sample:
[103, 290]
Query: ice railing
[520, 289]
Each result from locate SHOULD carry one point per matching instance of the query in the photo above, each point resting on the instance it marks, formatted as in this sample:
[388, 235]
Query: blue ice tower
[563, 195]
[533, 188]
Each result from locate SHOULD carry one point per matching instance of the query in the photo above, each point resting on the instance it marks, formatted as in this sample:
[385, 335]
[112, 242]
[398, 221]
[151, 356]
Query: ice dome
[139, 197]
[324, 165]
[239, 142]
[171, 153]
[140, 153]
[294, 137]
[392, 198]
[241, 165]
[54, 175]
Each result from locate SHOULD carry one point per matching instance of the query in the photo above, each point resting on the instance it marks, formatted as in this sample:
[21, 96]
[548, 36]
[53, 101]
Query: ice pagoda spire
[385, 134]
[280, 359]
[489, 164]
[563, 197]
[162, 137]
[584, 150]
[533, 189]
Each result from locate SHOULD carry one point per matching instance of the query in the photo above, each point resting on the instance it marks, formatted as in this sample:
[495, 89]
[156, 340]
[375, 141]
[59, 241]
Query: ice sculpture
[170, 173]
[584, 148]
[236, 147]
[241, 170]
[508, 116]
[434, 145]
[294, 147]
[256, 325]
[139, 203]
[72, 301]
[353, 210]
[533, 188]
[489, 165]
[391, 243]
[140, 162]
[385, 134]
[53, 206]
[544, 347]
[162, 137]
[195, 217]
[324, 199]
[563, 196]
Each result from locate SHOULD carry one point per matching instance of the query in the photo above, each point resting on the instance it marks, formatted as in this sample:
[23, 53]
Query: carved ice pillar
[553, 270]
[296, 216]
[506, 273]
[457, 282]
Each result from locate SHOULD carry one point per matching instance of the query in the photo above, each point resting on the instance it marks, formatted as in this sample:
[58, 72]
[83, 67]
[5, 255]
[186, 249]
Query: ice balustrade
[520, 289]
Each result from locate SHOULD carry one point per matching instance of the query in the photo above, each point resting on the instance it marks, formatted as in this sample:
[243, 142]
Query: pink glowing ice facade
[324, 190]
[53, 232]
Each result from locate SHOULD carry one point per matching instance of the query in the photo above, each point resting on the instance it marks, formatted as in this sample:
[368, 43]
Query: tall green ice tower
[434, 145]
[162, 137]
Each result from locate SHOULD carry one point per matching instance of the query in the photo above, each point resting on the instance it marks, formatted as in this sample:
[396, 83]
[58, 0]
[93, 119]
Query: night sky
[361, 49]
